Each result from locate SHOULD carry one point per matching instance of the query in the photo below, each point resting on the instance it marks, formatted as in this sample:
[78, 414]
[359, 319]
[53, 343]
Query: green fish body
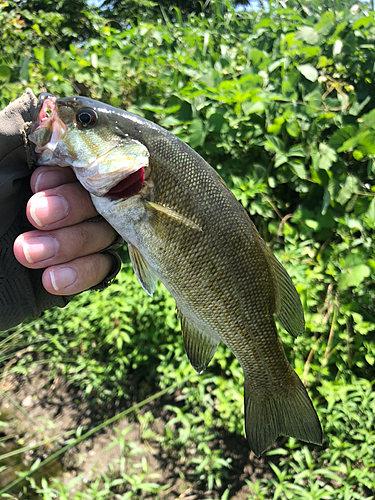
[184, 227]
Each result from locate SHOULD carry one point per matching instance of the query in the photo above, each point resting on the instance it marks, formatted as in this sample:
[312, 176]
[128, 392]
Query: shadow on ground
[55, 408]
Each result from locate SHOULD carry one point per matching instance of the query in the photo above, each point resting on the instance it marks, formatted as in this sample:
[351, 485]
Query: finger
[37, 249]
[61, 206]
[47, 177]
[77, 275]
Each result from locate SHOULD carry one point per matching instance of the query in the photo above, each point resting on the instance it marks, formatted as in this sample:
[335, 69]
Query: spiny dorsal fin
[142, 270]
[200, 347]
[288, 308]
[174, 215]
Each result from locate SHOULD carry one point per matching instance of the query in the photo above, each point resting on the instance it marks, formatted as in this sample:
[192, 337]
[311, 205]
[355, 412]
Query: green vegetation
[280, 101]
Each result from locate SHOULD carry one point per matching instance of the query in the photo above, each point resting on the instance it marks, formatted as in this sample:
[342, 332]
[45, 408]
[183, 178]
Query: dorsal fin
[288, 307]
[169, 212]
[200, 347]
[142, 270]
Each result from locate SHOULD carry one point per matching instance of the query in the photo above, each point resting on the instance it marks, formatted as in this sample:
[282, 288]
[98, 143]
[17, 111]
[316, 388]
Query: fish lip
[46, 102]
[47, 130]
[91, 174]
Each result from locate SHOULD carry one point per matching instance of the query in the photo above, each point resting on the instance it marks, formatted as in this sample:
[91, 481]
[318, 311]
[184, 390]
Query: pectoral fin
[142, 270]
[200, 347]
[174, 215]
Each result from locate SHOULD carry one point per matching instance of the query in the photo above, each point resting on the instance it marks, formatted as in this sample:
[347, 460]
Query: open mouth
[46, 112]
[46, 130]
[128, 187]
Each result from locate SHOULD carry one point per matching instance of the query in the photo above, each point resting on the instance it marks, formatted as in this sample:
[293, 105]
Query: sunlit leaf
[352, 277]
[371, 210]
[309, 72]
[307, 34]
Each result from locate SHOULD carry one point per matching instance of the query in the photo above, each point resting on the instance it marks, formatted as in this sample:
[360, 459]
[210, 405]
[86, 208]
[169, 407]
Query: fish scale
[185, 228]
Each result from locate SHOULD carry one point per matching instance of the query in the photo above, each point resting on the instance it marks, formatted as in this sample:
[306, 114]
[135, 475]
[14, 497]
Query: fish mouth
[128, 187]
[46, 133]
[47, 130]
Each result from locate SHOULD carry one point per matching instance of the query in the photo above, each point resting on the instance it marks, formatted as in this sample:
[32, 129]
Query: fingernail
[49, 179]
[62, 277]
[45, 210]
[39, 248]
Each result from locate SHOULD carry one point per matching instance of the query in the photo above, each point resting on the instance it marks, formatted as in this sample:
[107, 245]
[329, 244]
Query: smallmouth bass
[184, 226]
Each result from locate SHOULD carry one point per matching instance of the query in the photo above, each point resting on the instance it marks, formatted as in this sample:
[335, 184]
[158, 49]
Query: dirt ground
[54, 410]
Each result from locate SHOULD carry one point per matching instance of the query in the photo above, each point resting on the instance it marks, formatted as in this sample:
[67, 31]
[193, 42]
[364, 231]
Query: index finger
[61, 206]
[48, 177]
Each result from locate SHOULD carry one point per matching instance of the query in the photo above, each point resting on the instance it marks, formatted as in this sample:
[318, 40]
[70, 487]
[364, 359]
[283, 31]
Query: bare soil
[55, 409]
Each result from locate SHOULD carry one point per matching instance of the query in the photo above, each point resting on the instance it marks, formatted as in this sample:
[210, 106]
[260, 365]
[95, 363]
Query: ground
[51, 409]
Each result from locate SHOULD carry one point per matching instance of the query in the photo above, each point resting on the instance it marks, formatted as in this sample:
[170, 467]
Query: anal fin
[142, 270]
[200, 347]
[169, 212]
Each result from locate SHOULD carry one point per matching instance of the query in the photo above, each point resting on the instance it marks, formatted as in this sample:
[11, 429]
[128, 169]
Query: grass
[113, 354]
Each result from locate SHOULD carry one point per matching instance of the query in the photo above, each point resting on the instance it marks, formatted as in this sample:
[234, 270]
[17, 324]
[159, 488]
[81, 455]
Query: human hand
[63, 243]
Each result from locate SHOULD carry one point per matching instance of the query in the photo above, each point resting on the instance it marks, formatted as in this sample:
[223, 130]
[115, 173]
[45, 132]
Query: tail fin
[290, 414]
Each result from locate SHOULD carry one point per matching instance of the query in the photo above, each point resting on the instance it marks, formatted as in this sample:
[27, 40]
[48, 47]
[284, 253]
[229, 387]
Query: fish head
[86, 135]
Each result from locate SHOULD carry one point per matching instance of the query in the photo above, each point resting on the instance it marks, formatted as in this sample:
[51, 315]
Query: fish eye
[86, 117]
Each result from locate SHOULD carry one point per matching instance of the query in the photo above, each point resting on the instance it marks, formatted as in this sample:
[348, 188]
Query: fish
[184, 227]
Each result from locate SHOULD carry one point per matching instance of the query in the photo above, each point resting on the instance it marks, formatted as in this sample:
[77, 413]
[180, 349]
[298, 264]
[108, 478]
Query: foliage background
[280, 101]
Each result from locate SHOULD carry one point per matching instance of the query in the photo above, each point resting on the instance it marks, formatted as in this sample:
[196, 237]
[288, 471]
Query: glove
[22, 294]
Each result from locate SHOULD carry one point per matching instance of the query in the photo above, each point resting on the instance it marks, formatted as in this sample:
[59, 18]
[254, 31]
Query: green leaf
[343, 196]
[341, 135]
[197, 134]
[253, 107]
[353, 260]
[4, 72]
[297, 150]
[307, 34]
[326, 201]
[309, 72]
[364, 141]
[280, 159]
[353, 276]
[371, 210]
[115, 61]
[169, 121]
[293, 128]
[158, 36]
[288, 89]
[273, 144]
[357, 107]
[36, 28]
[327, 156]
[94, 60]
[39, 53]
[299, 169]
[24, 70]
[276, 64]
[276, 126]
